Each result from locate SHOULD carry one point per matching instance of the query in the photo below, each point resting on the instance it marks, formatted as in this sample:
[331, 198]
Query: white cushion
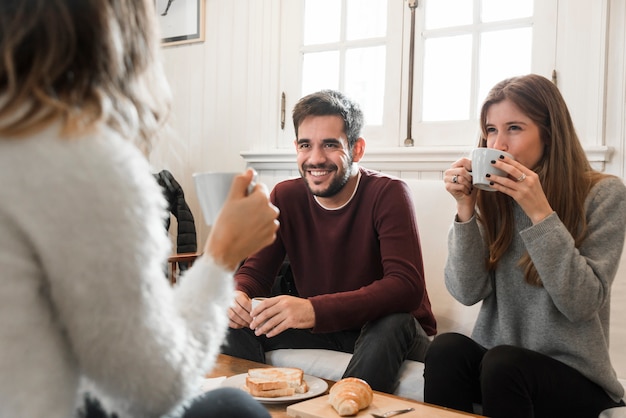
[315, 362]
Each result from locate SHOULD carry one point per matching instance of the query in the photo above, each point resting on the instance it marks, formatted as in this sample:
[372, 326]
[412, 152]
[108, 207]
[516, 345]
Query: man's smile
[319, 173]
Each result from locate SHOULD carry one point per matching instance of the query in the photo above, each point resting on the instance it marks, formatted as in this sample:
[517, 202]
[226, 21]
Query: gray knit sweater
[566, 319]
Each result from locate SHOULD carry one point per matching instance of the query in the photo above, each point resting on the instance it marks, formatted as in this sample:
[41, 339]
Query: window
[348, 53]
[462, 48]
[350, 45]
[496, 41]
[462, 55]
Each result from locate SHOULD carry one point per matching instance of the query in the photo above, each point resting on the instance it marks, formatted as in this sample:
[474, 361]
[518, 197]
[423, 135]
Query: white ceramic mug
[481, 166]
[212, 189]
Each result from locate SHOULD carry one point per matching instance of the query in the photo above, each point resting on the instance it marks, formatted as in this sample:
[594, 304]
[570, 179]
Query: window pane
[365, 81]
[503, 54]
[366, 19]
[322, 21]
[445, 13]
[447, 78]
[320, 71]
[493, 10]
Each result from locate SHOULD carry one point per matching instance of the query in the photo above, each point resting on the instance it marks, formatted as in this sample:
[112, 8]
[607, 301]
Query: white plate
[317, 386]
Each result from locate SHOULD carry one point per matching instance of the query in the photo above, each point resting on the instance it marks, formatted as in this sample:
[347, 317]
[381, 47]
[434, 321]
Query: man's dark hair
[329, 103]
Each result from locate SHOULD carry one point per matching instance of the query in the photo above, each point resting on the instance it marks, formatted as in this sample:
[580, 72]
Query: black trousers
[378, 348]
[508, 381]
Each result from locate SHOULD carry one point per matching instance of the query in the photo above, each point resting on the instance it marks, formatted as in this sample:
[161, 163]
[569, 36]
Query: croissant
[349, 395]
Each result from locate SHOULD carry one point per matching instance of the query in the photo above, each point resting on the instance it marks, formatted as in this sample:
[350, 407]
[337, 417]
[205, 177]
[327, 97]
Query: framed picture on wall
[182, 21]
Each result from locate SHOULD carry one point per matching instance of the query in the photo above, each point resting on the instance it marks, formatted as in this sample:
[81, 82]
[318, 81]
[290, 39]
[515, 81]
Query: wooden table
[230, 366]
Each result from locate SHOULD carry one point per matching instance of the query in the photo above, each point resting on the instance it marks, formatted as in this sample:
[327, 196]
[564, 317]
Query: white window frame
[291, 68]
[450, 133]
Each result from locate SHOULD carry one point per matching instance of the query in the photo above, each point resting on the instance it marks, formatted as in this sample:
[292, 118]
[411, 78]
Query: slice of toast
[259, 384]
[292, 375]
[261, 378]
[271, 393]
[302, 388]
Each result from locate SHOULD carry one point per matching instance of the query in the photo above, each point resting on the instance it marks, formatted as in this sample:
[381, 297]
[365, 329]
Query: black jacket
[186, 238]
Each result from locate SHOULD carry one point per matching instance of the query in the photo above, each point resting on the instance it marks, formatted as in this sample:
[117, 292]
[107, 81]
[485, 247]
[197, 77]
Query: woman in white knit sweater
[83, 295]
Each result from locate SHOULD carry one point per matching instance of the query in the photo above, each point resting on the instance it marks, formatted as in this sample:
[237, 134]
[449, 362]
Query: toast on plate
[273, 382]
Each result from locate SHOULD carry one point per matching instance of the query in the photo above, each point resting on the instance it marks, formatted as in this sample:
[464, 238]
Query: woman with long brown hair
[83, 296]
[540, 253]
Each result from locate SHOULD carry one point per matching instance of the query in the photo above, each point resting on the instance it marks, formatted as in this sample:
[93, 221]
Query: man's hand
[275, 315]
[239, 313]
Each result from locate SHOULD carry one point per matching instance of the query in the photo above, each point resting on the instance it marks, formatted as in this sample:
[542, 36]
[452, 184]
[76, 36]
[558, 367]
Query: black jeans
[378, 348]
[508, 381]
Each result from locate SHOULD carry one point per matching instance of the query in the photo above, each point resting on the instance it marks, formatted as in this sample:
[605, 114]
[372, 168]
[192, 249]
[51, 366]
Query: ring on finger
[521, 178]
[455, 178]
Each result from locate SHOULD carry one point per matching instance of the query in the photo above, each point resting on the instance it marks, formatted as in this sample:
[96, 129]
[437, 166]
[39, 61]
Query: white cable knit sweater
[82, 287]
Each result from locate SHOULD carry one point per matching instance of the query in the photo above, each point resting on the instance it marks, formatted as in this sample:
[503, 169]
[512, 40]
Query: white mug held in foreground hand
[212, 189]
[481, 166]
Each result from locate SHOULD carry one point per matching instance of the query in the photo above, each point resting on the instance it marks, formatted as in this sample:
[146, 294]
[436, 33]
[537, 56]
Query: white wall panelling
[225, 93]
[616, 89]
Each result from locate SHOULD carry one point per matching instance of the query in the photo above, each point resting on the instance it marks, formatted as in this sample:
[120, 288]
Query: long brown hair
[564, 171]
[81, 62]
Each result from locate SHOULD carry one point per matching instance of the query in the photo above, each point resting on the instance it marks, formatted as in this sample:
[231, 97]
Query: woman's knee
[447, 347]
[501, 361]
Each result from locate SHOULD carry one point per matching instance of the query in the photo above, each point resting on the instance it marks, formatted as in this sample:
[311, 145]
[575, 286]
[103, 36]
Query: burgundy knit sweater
[355, 264]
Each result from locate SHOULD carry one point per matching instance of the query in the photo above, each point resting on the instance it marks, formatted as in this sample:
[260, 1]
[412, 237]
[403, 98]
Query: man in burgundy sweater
[352, 240]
